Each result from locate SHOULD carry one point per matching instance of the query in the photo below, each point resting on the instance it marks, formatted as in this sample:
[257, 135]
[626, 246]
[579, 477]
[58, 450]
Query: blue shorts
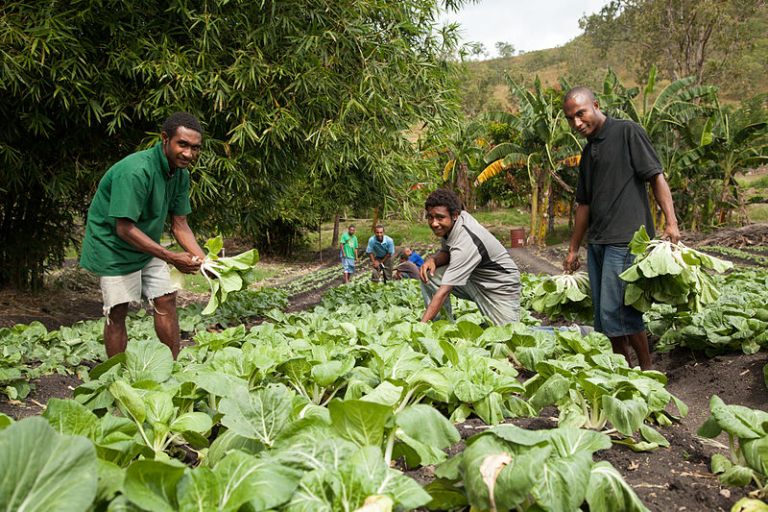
[612, 317]
[348, 264]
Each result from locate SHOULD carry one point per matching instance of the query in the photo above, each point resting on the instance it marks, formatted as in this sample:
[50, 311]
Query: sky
[527, 24]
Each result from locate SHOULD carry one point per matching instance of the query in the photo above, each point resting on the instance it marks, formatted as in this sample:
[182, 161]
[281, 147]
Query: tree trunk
[534, 213]
[335, 238]
[320, 239]
[543, 209]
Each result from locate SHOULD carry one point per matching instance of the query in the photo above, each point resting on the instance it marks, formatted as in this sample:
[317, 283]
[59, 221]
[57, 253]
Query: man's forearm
[186, 239]
[128, 231]
[580, 225]
[436, 303]
[663, 196]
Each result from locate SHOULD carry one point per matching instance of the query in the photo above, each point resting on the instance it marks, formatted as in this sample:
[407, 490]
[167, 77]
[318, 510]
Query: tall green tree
[290, 92]
[696, 38]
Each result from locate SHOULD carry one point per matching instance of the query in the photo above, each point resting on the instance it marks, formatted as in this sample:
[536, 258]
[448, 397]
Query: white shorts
[152, 281]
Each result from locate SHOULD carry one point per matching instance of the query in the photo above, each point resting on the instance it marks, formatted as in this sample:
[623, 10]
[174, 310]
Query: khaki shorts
[152, 281]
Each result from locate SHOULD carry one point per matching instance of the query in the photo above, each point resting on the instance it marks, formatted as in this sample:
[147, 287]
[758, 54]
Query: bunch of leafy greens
[669, 274]
[748, 460]
[225, 275]
[510, 468]
[737, 320]
[566, 295]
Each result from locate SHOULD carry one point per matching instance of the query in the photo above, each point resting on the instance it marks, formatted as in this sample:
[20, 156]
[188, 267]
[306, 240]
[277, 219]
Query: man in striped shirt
[471, 264]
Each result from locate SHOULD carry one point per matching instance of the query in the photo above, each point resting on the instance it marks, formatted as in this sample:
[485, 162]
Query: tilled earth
[676, 478]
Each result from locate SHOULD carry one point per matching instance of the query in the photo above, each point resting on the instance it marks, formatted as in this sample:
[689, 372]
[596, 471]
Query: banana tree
[724, 152]
[546, 146]
[465, 153]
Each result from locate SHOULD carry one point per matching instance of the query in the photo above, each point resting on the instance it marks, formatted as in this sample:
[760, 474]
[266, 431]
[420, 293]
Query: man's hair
[444, 197]
[579, 91]
[351, 226]
[403, 256]
[378, 226]
[185, 119]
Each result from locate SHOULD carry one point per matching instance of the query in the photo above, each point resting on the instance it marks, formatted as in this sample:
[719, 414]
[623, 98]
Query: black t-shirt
[615, 165]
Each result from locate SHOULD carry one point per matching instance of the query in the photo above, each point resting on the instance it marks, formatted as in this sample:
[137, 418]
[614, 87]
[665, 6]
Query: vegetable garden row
[320, 410]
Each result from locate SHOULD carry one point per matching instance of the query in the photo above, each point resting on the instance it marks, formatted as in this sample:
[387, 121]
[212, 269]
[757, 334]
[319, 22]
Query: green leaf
[44, 470]
[148, 360]
[563, 484]
[570, 441]
[359, 421]
[552, 390]
[650, 435]
[736, 476]
[625, 415]
[214, 246]
[130, 400]
[261, 414]
[245, 479]
[70, 418]
[719, 464]
[756, 454]
[159, 406]
[152, 484]
[198, 491]
[608, 491]
[192, 421]
[737, 420]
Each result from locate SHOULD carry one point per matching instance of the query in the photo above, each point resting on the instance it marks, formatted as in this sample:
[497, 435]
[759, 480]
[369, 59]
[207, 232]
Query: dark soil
[674, 478]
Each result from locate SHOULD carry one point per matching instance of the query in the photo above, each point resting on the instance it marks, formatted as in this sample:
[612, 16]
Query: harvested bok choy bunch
[224, 275]
[565, 295]
[669, 273]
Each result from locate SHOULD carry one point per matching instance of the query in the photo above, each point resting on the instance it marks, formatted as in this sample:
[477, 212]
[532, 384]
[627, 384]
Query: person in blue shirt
[381, 250]
[413, 257]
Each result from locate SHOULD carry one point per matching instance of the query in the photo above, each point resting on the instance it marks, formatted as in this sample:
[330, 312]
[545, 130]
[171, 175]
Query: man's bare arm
[580, 225]
[127, 230]
[663, 196]
[437, 302]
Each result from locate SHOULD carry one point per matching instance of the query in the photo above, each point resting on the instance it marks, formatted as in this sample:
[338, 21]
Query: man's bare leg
[346, 278]
[621, 346]
[639, 342]
[167, 322]
[115, 333]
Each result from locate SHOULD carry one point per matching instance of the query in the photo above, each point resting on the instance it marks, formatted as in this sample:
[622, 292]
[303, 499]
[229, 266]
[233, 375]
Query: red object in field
[517, 237]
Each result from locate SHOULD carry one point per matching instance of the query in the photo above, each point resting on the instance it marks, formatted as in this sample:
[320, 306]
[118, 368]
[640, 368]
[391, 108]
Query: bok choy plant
[566, 295]
[669, 273]
[224, 275]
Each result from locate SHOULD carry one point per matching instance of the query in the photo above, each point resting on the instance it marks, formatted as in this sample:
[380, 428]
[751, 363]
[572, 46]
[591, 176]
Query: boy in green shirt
[348, 252]
[125, 222]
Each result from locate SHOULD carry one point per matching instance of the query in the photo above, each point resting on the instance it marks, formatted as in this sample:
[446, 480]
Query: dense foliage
[313, 407]
[305, 106]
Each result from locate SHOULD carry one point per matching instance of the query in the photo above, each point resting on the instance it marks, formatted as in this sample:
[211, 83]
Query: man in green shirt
[348, 252]
[125, 222]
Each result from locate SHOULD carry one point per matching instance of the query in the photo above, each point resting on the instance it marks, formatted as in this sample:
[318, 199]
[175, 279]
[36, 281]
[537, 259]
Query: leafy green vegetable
[225, 275]
[44, 470]
[669, 273]
[566, 295]
[749, 457]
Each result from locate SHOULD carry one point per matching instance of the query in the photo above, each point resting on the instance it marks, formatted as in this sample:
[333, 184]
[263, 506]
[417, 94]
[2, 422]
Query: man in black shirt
[612, 200]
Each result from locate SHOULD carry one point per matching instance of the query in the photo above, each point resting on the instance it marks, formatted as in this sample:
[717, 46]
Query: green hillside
[585, 60]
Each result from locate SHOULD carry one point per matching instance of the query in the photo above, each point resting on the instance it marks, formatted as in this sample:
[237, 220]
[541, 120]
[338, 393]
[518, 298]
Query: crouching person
[125, 222]
[471, 264]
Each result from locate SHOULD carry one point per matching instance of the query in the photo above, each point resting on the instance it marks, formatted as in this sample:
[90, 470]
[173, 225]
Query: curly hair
[181, 119]
[444, 197]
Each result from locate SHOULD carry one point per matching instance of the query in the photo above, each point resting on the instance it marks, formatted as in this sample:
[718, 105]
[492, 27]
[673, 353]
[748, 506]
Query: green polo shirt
[140, 188]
